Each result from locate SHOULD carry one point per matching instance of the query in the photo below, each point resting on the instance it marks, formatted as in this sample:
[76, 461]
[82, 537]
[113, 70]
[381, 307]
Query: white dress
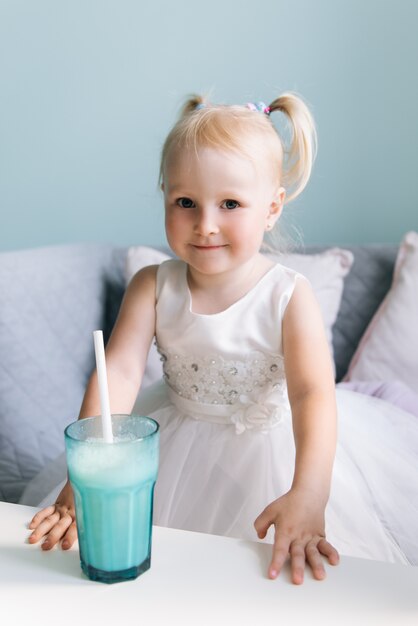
[226, 440]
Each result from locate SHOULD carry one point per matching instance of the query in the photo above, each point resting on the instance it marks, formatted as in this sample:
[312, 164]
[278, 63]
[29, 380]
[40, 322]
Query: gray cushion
[364, 289]
[51, 301]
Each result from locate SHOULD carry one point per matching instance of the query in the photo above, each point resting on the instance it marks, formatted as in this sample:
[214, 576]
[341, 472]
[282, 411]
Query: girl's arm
[311, 388]
[126, 355]
[128, 347]
[298, 516]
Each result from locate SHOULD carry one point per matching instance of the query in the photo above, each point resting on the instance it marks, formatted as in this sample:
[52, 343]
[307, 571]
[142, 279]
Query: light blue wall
[89, 88]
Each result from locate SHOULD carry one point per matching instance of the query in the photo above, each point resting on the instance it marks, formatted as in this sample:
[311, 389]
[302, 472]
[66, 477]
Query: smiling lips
[197, 247]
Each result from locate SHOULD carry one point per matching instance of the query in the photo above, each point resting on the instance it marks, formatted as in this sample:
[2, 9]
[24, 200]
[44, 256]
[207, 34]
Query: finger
[280, 553]
[70, 537]
[44, 527]
[57, 532]
[314, 559]
[329, 551]
[297, 556]
[263, 523]
[41, 515]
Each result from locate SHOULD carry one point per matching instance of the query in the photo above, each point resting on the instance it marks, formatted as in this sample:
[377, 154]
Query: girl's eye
[230, 204]
[185, 203]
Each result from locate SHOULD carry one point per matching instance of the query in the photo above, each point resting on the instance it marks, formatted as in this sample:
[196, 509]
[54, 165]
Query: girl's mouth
[208, 247]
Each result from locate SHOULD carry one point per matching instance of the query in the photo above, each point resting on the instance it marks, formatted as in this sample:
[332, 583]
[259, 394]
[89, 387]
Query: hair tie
[261, 107]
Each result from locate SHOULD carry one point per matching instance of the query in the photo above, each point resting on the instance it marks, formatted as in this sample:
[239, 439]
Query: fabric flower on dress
[262, 414]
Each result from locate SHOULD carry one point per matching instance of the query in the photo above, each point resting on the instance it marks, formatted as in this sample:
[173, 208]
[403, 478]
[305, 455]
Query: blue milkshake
[113, 486]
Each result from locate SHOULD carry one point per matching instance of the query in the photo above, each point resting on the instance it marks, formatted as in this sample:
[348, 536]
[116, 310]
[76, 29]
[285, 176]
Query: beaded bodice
[212, 379]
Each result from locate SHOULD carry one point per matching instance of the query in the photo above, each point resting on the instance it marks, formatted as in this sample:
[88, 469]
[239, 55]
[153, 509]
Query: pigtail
[299, 157]
[194, 101]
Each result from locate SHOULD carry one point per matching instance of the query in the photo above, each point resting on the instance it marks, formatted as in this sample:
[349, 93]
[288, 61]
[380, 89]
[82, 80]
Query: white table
[194, 579]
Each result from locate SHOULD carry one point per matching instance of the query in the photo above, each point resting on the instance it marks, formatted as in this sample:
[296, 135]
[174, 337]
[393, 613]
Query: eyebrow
[229, 192]
[175, 188]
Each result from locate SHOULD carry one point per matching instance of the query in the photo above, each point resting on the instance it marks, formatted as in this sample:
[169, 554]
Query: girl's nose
[206, 223]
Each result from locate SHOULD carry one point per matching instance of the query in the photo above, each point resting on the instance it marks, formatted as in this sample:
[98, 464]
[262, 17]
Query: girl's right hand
[56, 522]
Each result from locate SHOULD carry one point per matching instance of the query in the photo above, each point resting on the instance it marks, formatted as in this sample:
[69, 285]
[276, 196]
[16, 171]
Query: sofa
[52, 300]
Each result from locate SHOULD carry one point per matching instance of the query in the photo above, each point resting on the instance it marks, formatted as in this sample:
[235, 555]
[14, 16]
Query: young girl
[247, 407]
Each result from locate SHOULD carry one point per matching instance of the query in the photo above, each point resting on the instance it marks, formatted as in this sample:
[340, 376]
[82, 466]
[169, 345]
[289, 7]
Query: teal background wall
[89, 89]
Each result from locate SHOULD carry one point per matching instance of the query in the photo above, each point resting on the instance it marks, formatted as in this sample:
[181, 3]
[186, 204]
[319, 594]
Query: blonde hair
[240, 129]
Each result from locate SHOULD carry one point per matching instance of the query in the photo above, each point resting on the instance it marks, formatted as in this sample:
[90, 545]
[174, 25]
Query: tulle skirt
[216, 481]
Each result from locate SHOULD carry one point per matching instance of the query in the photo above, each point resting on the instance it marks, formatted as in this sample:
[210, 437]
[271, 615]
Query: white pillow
[388, 349]
[325, 271]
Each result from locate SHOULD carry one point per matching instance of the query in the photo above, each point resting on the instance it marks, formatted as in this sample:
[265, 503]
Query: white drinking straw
[103, 388]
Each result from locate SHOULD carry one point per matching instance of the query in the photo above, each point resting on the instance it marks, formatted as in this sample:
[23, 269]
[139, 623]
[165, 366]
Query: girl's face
[217, 208]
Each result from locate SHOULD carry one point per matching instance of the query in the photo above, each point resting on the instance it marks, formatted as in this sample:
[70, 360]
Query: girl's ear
[276, 207]
[162, 186]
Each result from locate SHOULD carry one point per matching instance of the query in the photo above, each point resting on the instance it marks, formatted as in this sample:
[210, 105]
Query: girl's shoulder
[143, 281]
[158, 272]
[171, 268]
[145, 274]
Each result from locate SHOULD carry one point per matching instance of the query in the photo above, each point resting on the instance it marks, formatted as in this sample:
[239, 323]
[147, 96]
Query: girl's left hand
[299, 524]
